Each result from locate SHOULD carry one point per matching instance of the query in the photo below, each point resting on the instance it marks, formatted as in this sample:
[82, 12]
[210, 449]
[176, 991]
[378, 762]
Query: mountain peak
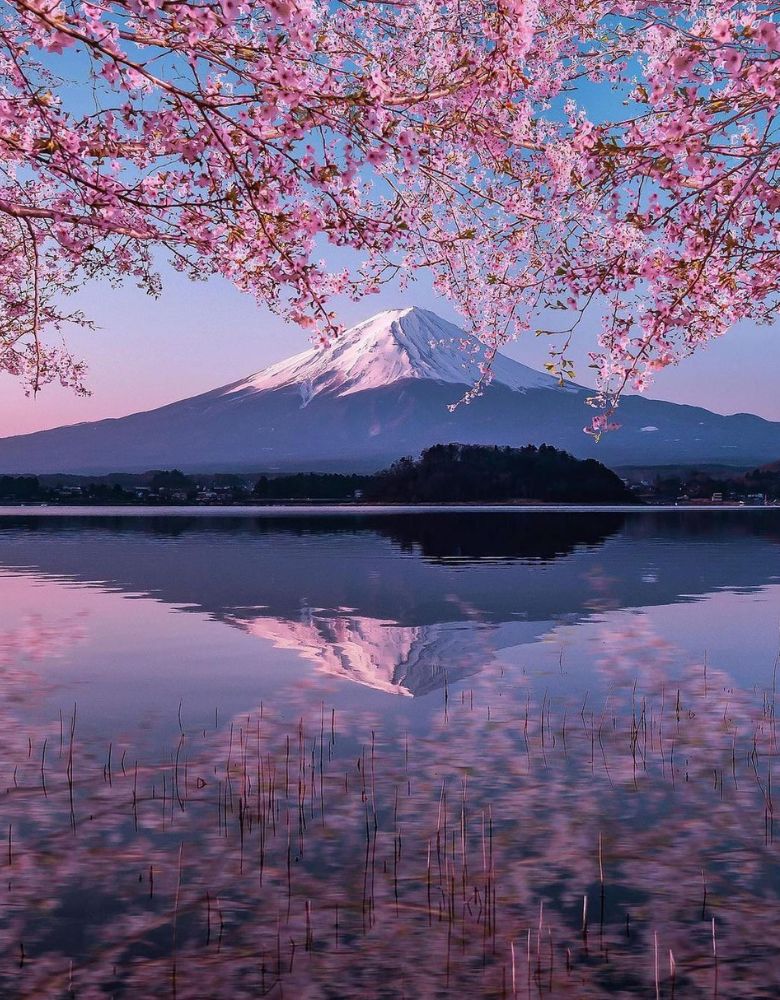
[377, 393]
[395, 344]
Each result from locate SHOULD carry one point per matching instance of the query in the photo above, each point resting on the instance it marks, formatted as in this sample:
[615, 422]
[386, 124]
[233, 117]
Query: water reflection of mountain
[399, 601]
[398, 659]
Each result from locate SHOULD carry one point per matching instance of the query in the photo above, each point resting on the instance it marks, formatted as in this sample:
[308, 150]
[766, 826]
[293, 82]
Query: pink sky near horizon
[200, 335]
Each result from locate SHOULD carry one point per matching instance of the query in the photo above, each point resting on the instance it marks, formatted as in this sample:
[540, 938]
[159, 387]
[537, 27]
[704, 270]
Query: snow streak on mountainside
[393, 345]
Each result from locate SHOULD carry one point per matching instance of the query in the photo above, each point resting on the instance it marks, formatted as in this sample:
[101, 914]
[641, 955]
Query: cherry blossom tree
[615, 157]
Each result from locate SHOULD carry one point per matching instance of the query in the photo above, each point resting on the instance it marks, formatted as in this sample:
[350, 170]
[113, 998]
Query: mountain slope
[393, 345]
[381, 391]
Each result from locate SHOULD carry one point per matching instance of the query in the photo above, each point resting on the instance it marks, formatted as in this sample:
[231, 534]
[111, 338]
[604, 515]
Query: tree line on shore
[447, 473]
[443, 473]
[458, 473]
[694, 484]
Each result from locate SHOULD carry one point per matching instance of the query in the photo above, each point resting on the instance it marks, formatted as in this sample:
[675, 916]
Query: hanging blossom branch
[244, 139]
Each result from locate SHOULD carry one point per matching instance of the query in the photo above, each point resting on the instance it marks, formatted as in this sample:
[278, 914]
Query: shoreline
[353, 510]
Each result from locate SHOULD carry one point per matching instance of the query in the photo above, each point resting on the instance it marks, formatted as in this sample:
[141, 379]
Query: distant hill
[457, 473]
[649, 473]
[382, 391]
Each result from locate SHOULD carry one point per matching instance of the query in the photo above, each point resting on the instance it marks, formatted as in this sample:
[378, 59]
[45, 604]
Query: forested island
[445, 473]
[458, 473]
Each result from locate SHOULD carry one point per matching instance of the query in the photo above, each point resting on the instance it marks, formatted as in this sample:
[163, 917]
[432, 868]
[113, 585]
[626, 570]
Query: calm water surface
[135, 614]
[496, 704]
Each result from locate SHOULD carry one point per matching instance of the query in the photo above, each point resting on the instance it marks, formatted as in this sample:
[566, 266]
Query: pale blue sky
[201, 335]
[198, 336]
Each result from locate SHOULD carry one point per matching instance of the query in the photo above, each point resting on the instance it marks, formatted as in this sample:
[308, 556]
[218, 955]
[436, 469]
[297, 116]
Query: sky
[200, 335]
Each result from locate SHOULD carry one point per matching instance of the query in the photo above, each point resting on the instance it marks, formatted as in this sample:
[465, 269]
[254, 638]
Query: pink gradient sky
[200, 335]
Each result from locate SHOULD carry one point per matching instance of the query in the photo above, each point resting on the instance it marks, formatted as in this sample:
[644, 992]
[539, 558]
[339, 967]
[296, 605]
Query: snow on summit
[393, 345]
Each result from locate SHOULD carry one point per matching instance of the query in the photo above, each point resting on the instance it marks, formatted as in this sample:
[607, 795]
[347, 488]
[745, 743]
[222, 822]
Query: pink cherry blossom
[242, 139]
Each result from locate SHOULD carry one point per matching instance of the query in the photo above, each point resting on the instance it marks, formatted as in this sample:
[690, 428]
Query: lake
[357, 753]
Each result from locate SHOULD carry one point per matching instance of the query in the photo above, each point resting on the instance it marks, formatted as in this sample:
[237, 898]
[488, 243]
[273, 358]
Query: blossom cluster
[532, 154]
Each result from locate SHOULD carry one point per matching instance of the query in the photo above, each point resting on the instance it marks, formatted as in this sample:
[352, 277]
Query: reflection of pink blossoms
[242, 139]
[34, 641]
[37, 639]
[518, 846]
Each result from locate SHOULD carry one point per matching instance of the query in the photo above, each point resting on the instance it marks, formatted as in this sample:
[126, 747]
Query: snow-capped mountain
[383, 390]
[391, 346]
